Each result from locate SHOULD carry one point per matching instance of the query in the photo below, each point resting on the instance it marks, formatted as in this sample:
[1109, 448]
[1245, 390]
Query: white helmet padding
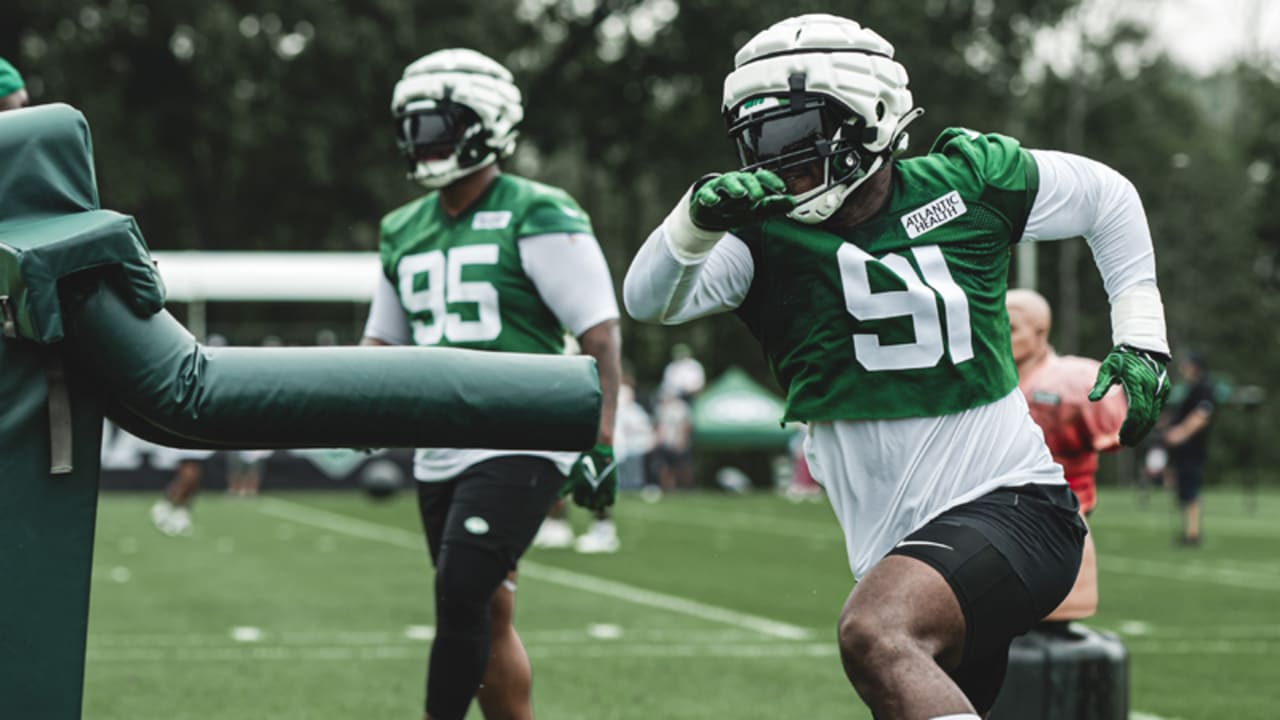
[468, 78]
[838, 59]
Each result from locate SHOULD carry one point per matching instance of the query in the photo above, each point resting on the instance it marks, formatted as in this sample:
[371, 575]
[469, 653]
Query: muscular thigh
[905, 597]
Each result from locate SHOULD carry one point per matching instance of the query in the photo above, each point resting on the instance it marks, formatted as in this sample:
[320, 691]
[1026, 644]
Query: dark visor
[771, 138]
[436, 131]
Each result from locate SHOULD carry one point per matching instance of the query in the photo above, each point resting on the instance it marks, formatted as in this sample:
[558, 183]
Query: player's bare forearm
[604, 343]
[372, 342]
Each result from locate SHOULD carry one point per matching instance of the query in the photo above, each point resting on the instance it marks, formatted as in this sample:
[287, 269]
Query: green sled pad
[166, 387]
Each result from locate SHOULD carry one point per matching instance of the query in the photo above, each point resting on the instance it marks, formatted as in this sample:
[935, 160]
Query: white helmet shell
[840, 59]
[468, 78]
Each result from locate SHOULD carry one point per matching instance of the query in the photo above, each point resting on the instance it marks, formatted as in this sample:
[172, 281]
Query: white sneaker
[601, 538]
[177, 523]
[554, 533]
[160, 511]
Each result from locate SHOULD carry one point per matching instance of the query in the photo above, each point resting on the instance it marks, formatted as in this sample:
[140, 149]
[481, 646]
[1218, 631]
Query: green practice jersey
[460, 279]
[903, 315]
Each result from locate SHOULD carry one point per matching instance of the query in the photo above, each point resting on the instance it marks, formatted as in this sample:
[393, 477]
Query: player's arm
[690, 266]
[572, 277]
[1194, 422]
[387, 323]
[1081, 197]
[604, 343]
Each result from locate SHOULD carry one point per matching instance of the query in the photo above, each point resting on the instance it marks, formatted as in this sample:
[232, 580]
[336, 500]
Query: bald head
[1030, 303]
[1029, 321]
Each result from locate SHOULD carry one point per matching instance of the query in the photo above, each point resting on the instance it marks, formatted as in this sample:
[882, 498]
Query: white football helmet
[456, 111]
[818, 88]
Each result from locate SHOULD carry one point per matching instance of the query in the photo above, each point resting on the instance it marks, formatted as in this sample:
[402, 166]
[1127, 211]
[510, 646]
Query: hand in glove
[1146, 386]
[593, 479]
[737, 199]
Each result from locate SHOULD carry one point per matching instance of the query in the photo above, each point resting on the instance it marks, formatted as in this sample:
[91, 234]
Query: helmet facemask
[441, 141]
[782, 134]
[456, 111]
[843, 69]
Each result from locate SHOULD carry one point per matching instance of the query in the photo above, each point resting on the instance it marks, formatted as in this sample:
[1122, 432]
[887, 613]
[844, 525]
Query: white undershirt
[571, 276]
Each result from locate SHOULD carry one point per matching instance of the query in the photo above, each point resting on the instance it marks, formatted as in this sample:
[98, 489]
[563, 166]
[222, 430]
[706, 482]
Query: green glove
[737, 199]
[594, 478]
[1146, 386]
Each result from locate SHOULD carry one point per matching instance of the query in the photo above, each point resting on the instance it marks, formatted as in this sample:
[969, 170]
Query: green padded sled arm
[169, 389]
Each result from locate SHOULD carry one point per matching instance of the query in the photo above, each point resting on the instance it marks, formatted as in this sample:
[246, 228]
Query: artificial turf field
[317, 605]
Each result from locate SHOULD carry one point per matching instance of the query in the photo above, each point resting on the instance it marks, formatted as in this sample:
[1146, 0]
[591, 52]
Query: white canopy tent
[197, 278]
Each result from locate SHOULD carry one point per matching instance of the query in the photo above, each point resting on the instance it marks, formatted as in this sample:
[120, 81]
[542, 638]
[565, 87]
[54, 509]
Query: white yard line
[355, 527]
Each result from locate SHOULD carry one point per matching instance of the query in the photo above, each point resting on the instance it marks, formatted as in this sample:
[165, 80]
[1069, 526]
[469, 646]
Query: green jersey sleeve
[553, 211]
[998, 170]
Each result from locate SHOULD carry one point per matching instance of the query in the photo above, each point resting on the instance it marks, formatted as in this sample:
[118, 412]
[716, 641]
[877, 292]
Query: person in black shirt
[1187, 440]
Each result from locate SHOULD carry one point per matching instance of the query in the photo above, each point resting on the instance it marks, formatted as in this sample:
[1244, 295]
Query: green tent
[735, 411]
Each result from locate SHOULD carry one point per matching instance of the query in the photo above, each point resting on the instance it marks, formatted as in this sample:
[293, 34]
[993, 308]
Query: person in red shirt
[1076, 430]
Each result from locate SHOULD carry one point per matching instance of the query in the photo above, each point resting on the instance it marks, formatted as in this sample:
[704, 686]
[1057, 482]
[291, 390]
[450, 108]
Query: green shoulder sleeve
[1004, 174]
[553, 211]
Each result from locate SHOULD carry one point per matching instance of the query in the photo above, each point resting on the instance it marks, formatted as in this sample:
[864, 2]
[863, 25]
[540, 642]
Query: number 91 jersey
[903, 315]
[460, 279]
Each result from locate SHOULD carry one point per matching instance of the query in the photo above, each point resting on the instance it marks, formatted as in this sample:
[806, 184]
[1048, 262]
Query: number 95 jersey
[903, 315]
[460, 279]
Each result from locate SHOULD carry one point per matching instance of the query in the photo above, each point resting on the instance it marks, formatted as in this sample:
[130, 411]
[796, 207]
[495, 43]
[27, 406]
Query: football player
[488, 261]
[875, 286]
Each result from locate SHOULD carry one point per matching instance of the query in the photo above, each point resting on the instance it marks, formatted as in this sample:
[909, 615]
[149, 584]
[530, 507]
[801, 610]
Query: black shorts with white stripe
[1010, 557]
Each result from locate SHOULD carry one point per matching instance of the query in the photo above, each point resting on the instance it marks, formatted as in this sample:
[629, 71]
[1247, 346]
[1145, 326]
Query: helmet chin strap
[821, 203]
[437, 174]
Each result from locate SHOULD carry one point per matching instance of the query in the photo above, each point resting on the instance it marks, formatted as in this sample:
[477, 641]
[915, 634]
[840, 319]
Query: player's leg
[186, 482]
[900, 620]
[492, 512]
[506, 691]
[955, 593]
[172, 513]
[1188, 473]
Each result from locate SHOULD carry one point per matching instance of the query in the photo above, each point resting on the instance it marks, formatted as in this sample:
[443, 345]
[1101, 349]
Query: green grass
[716, 607]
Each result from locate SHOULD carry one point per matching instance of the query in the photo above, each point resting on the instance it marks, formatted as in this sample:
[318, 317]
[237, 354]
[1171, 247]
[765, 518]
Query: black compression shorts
[1010, 557]
[496, 504]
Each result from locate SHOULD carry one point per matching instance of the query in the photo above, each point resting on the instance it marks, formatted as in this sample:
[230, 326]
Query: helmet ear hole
[880, 110]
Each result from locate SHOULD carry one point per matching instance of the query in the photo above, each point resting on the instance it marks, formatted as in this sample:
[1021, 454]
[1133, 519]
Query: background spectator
[684, 375]
[1187, 440]
[673, 456]
[633, 439]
